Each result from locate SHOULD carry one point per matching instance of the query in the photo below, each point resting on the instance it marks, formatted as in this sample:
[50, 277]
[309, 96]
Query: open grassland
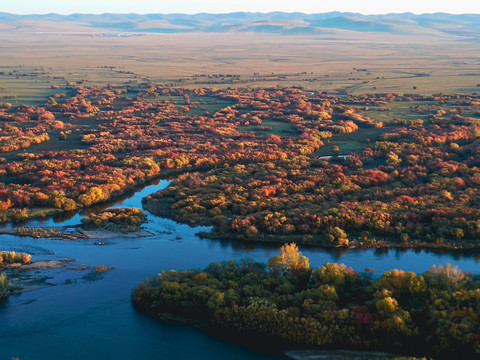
[32, 85]
[338, 61]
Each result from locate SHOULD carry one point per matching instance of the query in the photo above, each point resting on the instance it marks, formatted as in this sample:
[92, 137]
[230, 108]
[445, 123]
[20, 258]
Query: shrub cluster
[124, 220]
[11, 257]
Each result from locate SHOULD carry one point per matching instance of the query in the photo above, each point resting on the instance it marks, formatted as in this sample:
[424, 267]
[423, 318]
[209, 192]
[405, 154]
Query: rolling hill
[439, 24]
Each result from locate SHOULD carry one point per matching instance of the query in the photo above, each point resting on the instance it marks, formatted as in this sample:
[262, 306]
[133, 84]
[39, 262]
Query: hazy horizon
[247, 12]
[191, 7]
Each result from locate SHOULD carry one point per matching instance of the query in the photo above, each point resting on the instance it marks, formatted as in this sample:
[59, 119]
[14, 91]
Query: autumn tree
[92, 196]
[289, 259]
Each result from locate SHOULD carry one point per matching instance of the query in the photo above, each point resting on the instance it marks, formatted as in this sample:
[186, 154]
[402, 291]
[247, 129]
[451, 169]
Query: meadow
[338, 62]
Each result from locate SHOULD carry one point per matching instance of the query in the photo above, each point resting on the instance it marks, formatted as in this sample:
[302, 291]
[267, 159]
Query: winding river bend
[91, 317]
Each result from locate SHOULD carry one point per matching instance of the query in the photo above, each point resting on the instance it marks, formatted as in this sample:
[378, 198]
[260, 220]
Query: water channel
[84, 316]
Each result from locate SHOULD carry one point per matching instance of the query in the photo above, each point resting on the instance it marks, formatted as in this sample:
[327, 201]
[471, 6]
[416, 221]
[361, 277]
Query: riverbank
[38, 213]
[13, 279]
[37, 265]
[341, 355]
[71, 233]
[162, 204]
[353, 244]
[58, 233]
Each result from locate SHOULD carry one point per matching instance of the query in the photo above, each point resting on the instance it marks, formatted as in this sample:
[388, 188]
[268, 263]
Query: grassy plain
[339, 61]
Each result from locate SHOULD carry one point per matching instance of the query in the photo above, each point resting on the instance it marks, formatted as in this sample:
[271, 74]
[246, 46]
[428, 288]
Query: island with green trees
[291, 305]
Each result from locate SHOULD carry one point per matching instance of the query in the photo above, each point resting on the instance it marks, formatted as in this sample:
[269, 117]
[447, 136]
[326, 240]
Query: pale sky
[225, 6]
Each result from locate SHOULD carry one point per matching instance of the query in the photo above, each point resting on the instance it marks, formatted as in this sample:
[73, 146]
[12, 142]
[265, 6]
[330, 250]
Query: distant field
[33, 85]
[342, 62]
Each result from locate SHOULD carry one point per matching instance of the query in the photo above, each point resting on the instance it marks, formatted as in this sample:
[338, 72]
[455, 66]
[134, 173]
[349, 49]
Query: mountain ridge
[462, 25]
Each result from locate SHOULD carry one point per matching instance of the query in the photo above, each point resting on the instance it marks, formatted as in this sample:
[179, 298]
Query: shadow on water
[79, 318]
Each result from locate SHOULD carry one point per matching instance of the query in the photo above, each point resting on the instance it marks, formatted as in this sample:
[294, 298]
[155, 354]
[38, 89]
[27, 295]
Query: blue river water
[85, 316]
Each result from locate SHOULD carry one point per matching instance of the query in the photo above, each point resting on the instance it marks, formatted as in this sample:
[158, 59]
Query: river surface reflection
[91, 317]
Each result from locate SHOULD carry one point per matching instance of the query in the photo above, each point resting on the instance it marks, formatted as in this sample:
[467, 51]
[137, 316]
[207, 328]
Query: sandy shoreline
[37, 265]
[71, 233]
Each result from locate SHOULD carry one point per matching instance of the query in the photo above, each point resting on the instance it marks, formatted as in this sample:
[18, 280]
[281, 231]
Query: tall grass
[11, 257]
[4, 286]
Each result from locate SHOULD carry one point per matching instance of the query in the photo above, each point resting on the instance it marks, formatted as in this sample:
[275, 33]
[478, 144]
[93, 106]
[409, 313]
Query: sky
[225, 6]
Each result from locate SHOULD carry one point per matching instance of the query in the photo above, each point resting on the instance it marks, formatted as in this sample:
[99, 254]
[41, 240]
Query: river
[82, 316]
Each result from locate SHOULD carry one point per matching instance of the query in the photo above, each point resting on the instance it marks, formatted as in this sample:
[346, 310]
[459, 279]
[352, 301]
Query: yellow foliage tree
[289, 259]
[93, 195]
